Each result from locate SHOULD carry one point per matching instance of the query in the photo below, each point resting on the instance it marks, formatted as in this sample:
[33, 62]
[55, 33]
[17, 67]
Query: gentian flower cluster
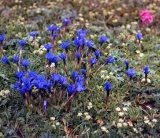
[61, 81]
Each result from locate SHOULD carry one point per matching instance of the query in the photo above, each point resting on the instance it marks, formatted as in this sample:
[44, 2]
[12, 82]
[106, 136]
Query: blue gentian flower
[90, 44]
[34, 34]
[131, 73]
[25, 63]
[55, 78]
[71, 89]
[22, 43]
[15, 58]
[41, 83]
[48, 46]
[78, 56]
[126, 62]
[52, 28]
[2, 38]
[74, 75]
[84, 72]
[103, 39]
[139, 36]
[110, 59]
[80, 42]
[97, 53]
[63, 81]
[65, 45]
[146, 70]
[5, 60]
[66, 21]
[108, 86]
[80, 87]
[63, 56]
[93, 61]
[50, 57]
[20, 75]
[56, 59]
[81, 33]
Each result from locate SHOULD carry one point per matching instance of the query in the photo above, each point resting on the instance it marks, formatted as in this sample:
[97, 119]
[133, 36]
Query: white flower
[118, 109]
[121, 114]
[121, 120]
[138, 52]
[154, 120]
[125, 124]
[90, 104]
[52, 118]
[119, 125]
[141, 55]
[52, 65]
[85, 113]
[104, 129]
[125, 109]
[146, 121]
[57, 123]
[135, 130]
[88, 117]
[145, 118]
[53, 125]
[79, 114]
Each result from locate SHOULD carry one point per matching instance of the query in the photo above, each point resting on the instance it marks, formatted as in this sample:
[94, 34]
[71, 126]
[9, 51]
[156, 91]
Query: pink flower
[146, 17]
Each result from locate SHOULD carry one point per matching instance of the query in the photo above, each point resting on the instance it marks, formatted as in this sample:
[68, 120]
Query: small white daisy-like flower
[121, 120]
[52, 65]
[88, 117]
[125, 124]
[104, 129]
[125, 109]
[141, 55]
[85, 113]
[146, 121]
[52, 118]
[79, 114]
[118, 109]
[57, 123]
[135, 130]
[90, 104]
[154, 120]
[53, 125]
[119, 125]
[121, 114]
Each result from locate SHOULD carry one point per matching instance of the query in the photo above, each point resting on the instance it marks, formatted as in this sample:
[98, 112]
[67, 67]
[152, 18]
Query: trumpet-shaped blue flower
[25, 63]
[15, 58]
[22, 43]
[110, 59]
[65, 45]
[48, 46]
[146, 70]
[131, 73]
[63, 56]
[66, 21]
[97, 53]
[34, 34]
[5, 60]
[2, 38]
[93, 61]
[139, 36]
[103, 39]
[108, 86]
[71, 89]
